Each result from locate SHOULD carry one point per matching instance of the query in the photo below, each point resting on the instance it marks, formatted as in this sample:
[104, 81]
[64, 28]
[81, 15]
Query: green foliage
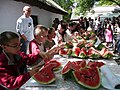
[66, 4]
[83, 5]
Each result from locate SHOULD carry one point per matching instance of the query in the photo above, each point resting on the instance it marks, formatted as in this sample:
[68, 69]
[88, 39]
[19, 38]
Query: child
[49, 43]
[37, 44]
[13, 70]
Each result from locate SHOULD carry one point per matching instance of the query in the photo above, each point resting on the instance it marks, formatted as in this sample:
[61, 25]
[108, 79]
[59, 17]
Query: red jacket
[14, 75]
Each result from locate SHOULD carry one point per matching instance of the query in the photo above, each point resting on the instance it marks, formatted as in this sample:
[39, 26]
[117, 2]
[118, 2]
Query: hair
[50, 30]
[7, 36]
[26, 7]
[39, 29]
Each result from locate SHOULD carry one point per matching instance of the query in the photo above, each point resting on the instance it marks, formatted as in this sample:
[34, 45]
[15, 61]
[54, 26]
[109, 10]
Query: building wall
[11, 10]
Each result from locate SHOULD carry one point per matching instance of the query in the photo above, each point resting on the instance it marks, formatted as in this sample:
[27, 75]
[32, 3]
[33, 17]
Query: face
[27, 12]
[13, 47]
[42, 37]
[53, 34]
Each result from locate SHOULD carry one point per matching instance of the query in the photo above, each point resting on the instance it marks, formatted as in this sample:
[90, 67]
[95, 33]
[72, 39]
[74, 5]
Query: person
[49, 43]
[13, 70]
[37, 44]
[24, 27]
[108, 35]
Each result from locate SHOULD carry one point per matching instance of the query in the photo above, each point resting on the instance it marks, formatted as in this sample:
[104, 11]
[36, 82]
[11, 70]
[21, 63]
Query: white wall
[11, 10]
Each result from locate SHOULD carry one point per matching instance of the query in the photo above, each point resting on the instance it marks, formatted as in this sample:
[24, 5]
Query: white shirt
[25, 26]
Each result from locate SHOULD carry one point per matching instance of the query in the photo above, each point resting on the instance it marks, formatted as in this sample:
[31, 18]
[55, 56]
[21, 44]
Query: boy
[13, 70]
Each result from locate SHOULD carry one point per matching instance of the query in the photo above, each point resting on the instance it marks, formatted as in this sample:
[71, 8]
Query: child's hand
[33, 71]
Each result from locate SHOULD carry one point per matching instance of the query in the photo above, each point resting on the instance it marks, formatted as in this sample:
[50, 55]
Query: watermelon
[88, 77]
[68, 45]
[83, 53]
[100, 46]
[66, 70]
[57, 64]
[95, 64]
[72, 66]
[69, 52]
[75, 51]
[81, 44]
[93, 53]
[63, 51]
[90, 44]
[45, 75]
[107, 54]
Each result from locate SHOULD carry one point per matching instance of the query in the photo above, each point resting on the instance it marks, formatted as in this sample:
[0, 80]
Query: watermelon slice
[68, 45]
[107, 54]
[81, 44]
[56, 66]
[72, 66]
[88, 77]
[83, 53]
[89, 44]
[95, 64]
[45, 75]
[75, 52]
[63, 51]
[93, 53]
[100, 46]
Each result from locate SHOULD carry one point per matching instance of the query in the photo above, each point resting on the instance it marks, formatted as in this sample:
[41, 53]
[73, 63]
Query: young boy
[49, 43]
[37, 44]
[13, 70]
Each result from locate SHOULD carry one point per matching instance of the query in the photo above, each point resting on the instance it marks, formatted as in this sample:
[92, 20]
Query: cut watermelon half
[88, 77]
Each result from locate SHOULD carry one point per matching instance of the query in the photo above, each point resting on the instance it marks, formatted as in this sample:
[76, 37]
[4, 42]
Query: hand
[33, 71]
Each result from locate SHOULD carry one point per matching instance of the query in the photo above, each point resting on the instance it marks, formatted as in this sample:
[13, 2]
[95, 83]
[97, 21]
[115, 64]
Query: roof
[48, 5]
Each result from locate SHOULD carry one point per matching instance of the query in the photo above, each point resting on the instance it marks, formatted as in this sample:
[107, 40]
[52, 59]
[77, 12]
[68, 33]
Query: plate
[106, 84]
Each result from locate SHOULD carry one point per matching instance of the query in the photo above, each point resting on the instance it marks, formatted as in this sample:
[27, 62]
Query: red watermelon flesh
[45, 75]
[90, 44]
[79, 64]
[63, 51]
[103, 51]
[66, 68]
[95, 64]
[56, 65]
[75, 51]
[92, 53]
[81, 44]
[88, 77]
[83, 53]
[72, 66]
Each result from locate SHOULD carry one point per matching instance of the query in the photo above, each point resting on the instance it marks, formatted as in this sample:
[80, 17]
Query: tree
[67, 5]
[83, 5]
[109, 2]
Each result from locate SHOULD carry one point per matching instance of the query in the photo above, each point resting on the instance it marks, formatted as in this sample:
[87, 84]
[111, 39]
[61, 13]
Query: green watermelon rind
[95, 56]
[109, 55]
[68, 46]
[86, 86]
[82, 55]
[100, 46]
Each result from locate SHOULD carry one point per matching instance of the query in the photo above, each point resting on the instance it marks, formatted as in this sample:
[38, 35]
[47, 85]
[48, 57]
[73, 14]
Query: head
[10, 42]
[40, 33]
[27, 11]
[51, 32]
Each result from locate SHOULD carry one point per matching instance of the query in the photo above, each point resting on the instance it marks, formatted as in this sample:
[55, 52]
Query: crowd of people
[34, 46]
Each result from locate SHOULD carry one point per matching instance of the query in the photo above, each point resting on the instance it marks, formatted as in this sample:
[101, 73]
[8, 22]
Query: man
[25, 28]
